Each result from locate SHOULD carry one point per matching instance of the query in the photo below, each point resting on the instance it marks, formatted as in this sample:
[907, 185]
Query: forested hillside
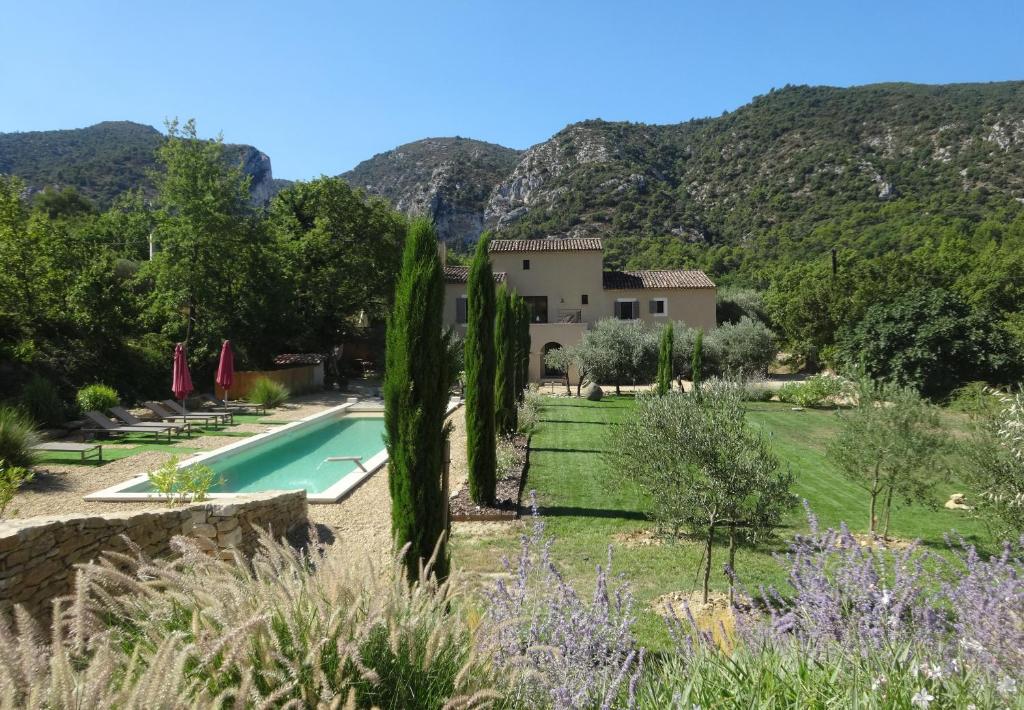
[104, 161]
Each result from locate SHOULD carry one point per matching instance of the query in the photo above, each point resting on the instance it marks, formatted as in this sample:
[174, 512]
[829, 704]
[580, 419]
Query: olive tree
[619, 352]
[559, 360]
[995, 456]
[889, 443]
[703, 468]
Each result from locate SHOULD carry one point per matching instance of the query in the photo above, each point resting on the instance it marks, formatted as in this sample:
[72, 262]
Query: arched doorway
[545, 370]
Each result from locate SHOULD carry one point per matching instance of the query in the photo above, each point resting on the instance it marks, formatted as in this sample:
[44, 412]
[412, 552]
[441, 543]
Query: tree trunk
[871, 526]
[888, 511]
[707, 560]
[732, 564]
[568, 389]
[579, 385]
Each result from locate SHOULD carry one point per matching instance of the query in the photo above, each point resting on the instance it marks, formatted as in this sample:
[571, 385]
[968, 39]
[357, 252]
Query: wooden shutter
[652, 306]
[618, 309]
[461, 315]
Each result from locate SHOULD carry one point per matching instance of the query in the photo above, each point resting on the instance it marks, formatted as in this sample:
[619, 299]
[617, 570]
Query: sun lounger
[84, 450]
[169, 416]
[105, 425]
[225, 416]
[131, 420]
[239, 406]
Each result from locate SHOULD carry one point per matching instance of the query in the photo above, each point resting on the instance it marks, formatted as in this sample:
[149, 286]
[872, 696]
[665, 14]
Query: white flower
[878, 683]
[922, 698]
[933, 672]
[1006, 686]
[886, 597]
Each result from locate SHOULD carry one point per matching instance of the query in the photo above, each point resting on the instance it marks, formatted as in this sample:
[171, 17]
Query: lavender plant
[553, 647]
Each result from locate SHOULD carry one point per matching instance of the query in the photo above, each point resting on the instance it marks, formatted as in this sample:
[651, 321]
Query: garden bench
[84, 450]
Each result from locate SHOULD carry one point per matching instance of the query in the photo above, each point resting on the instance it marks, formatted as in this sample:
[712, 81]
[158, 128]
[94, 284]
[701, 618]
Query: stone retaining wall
[37, 555]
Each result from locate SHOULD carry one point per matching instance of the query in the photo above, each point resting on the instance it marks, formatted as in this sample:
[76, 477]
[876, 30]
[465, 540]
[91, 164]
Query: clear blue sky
[320, 86]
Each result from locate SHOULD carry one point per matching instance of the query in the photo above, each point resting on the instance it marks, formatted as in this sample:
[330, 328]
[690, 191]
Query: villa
[568, 290]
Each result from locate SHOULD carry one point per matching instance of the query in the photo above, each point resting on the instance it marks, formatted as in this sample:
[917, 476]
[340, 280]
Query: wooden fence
[303, 378]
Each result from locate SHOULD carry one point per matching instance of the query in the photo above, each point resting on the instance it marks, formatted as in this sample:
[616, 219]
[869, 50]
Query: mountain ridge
[105, 159]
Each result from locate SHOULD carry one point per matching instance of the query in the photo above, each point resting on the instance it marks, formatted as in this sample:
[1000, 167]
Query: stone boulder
[593, 393]
[957, 501]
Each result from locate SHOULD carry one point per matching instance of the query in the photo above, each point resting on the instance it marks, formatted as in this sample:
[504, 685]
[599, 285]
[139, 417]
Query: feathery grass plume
[480, 373]
[416, 383]
[293, 628]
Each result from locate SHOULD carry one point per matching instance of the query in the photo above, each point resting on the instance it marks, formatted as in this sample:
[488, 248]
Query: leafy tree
[480, 375]
[619, 352]
[931, 340]
[506, 366]
[745, 348]
[212, 253]
[889, 444]
[664, 361]
[415, 396]
[341, 253]
[559, 360]
[995, 458]
[703, 468]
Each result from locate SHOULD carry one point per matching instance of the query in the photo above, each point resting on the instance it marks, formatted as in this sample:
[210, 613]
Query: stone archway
[545, 371]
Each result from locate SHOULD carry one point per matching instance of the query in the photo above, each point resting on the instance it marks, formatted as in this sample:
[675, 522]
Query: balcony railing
[570, 315]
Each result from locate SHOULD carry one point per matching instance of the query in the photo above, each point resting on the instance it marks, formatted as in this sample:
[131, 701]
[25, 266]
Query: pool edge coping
[333, 494]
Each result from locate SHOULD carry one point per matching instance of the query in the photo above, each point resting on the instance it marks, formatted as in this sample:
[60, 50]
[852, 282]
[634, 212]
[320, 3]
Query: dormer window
[526, 264]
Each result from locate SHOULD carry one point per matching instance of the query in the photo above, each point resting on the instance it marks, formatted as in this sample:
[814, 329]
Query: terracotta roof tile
[460, 275]
[549, 244]
[678, 278]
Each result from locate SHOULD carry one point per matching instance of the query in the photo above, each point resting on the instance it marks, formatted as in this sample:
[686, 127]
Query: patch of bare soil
[889, 543]
[485, 529]
[508, 490]
[639, 538]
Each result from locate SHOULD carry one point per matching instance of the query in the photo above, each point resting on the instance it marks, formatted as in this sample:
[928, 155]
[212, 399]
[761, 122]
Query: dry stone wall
[38, 555]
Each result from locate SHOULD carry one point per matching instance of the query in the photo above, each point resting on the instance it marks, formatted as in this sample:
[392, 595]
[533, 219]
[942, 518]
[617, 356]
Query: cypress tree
[506, 350]
[525, 317]
[480, 372]
[697, 361]
[665, 360]
[415, 397]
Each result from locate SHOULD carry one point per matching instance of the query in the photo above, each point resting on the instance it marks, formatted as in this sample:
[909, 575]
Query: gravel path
[363, 518]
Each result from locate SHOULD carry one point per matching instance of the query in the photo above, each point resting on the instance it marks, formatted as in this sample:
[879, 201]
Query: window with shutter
[461, 310]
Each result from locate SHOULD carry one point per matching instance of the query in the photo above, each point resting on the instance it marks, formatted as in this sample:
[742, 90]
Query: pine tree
[665, 360]
[480, 372]
[415, 397]
[697, 362]
[506, 349]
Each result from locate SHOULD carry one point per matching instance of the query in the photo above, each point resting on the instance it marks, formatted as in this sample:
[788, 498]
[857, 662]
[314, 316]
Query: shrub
[744, 348]
[178, 484]
[268, 393]
[97, 397]
[292, 629]
[506, 455]
[815, 391]
[529, 410]
[41, 402]
[11, 479]
[754, 392]
[17, 437]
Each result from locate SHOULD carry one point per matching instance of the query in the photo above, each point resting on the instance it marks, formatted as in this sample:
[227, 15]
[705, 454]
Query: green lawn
[586, 506]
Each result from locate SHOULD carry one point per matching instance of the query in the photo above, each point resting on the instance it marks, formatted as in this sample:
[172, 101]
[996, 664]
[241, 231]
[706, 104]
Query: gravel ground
[364, 517]
[57, 489]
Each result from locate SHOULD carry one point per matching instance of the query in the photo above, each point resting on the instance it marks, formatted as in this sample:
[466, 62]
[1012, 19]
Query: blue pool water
[296, 459]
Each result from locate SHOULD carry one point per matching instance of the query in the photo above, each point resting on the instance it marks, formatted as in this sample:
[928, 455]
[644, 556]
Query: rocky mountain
[448, 179]
[774, 170]
[104, 160]
[792, 157]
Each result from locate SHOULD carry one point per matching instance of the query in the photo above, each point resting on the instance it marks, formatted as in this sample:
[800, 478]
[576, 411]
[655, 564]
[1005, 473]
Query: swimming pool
[326, 454]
